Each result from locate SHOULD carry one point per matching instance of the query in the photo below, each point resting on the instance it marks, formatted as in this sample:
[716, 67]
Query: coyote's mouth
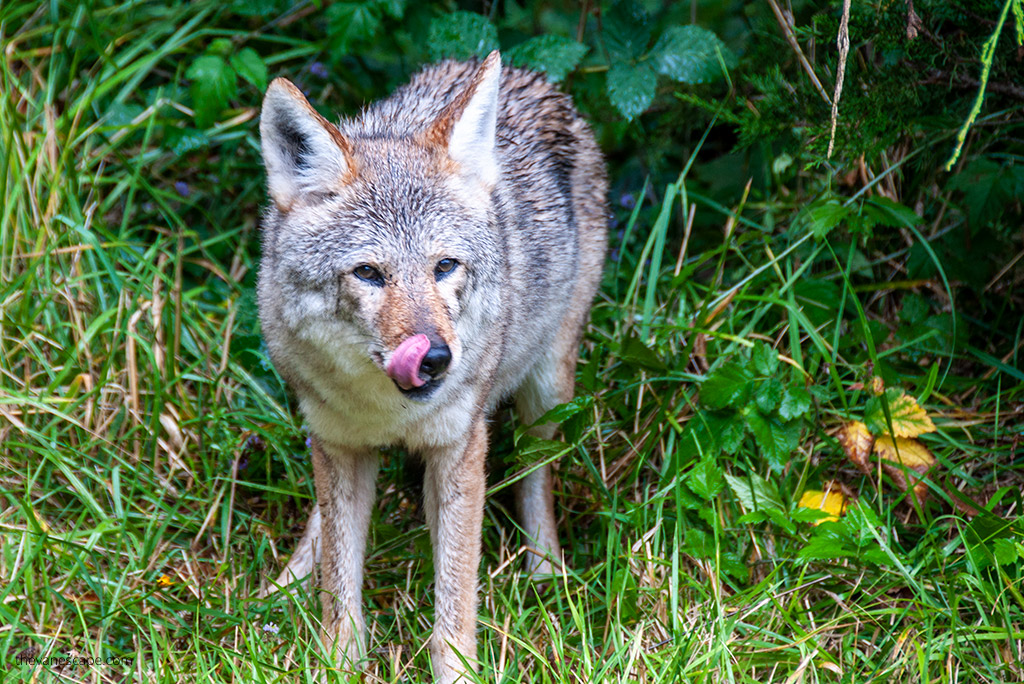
[421, 393]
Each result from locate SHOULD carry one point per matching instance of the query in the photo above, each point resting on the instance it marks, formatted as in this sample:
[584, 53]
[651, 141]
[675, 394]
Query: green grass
[153, 472]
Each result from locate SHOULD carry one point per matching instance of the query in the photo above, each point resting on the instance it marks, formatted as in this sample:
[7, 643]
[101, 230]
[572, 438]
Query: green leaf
[689, 54]
[249, 65]
[729, 428]
[461, 35]
[213, 85]
[631, 88]
[393, 8]
[636, 353]
[705, 478]
[884, 211]
[768, 395]
[626, 30]
[776, 439]
[348, 23]
[727, 386]
[796, 401]
[554, 55]
[820, 218]
[765, 359]
[754, 492]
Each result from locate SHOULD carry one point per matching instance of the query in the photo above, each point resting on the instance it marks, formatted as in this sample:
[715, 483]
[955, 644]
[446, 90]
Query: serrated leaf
[461, 35]
[1005, 551]
[631, 88]
[705, 479]
[768, 395]
[349, 22]
[729, 429]
[213, 86]
[820, 218]
[554, 55]
[890, 213]
[689, 54]
[249, 65]
[626, 30]
[908, 418]
[776, 439]
[635, 352]
[754, 492]
[727, 386]
[857, 441]
[393, 8]
[832, 502]
[796, 401]
[765, 359]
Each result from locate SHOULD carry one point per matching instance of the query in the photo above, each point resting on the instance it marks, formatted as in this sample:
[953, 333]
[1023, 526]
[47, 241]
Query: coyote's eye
[369, 274]
[444, 267]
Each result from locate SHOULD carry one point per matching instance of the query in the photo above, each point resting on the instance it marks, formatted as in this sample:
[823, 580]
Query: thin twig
[843, 42]
[787, 29]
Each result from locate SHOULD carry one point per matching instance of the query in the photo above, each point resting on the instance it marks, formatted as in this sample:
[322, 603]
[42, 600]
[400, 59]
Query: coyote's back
[421, 262]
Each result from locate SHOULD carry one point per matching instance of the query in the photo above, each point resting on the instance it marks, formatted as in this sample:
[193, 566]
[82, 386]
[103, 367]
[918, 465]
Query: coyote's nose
[436, 360]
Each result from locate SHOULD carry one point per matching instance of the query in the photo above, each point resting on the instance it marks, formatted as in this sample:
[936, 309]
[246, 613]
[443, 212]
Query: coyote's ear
[302, 151]
[467, 125]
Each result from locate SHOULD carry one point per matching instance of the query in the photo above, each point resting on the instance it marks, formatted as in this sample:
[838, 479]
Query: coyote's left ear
[467, 126]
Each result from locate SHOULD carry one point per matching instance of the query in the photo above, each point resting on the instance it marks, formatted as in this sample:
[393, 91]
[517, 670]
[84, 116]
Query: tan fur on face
[407, 312]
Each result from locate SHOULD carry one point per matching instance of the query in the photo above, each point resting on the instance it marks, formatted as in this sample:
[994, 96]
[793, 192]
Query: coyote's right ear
[302, 151]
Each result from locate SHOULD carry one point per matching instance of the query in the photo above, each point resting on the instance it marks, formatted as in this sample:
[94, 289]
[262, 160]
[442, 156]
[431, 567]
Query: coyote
[421, 262]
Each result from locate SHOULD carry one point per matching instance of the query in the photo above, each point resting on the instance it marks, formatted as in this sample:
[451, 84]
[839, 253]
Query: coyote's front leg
[454, 496]
[345, 485]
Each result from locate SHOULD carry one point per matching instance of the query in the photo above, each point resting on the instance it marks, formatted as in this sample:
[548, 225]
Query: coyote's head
[381, 238]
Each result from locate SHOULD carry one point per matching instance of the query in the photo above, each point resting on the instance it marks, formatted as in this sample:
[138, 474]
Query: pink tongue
[404, 366]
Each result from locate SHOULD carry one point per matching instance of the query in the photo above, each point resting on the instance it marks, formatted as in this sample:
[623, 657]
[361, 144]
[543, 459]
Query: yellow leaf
[856, 441]
[832, 503]
[165, 581]
[908, 452]
[908, 418]
[913, 456]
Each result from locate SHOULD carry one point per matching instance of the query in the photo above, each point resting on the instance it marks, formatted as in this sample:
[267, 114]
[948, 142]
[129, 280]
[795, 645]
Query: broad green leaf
[626, 30]
[249, 65]
[554, 55]
[349, 22]
[689, 54]
[765, 359]
[754, 492]
[631, 88]
[796, 401]
[776, 439]
[768, 395]
[213, 86]
[729, 428]
[636, 353]
[820, 218]
[461, 35]
[729, 385]
[887, 212]
[705, 478]
[393, 8]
